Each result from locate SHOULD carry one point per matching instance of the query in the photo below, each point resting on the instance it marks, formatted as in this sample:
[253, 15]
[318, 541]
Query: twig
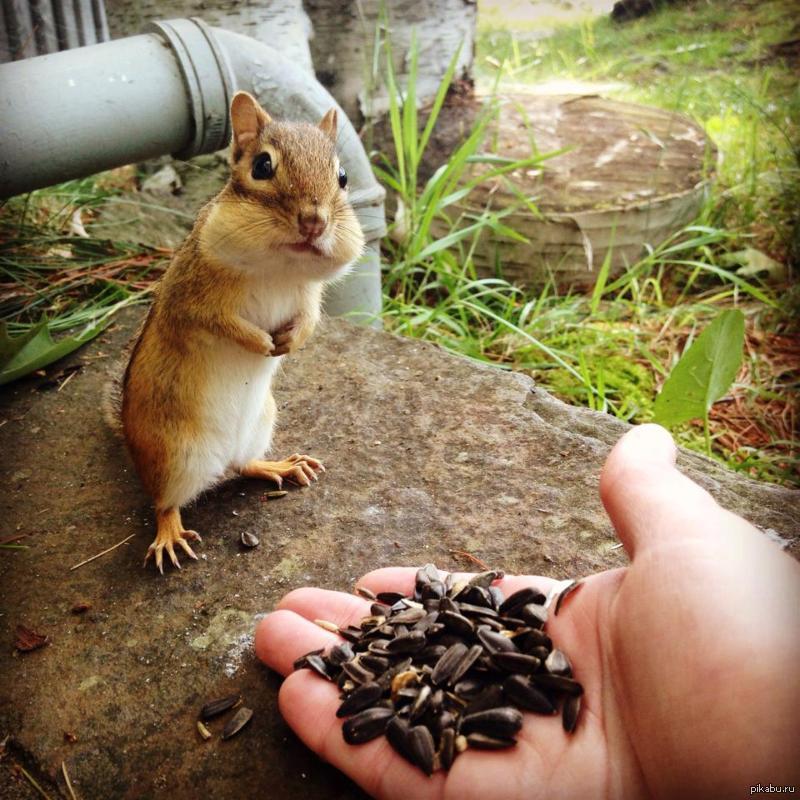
[103, 553]
[68, 782]
[13, 538]
[66, 381]
[33, 783]
[470, 557]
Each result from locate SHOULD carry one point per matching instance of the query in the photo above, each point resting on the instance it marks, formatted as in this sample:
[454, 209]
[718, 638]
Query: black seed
[421, 702]
[469, 610]
[431, 653]
[456, 623]
[447, 664]
[217, 707]
[534, 614]
[498, 598]
[373, 663]
[379, 609]
[490, 697]
[302, 662]
[482, 742]
[341, 653]
[397, 734]
[558, 682]
[570, 712]
[562, 595]
[486, 579]
[447, 604]
[351, 633]
[366, 725]
[363, 697]
[516, 662]
[530, 594]
[408, 616]
[237, 722]
[389, 598]
[495, 642]
[357, 673]
[501, 723]
[525, 695]
[447, 748]
[407, 643]
[530, 638]
[420, 748]
[470, 657]
[468, 687]
[319, 665]
[433, 591]
[440, 723]
[493, 623]
[558, 664]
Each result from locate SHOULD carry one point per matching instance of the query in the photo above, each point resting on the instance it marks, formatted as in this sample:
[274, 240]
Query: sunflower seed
[249, 539]
[237, 722]
[360, 698]
[407, 643]
[530, 594]
[516, 662]
[421, 748]
[448, 663]
[366, 725]
[481, 741]
[525, 695]
[564, 593]
[501, 723]
[203, 731]
[559, 682]
[534, 614]
[570, 712]
[558, 664]
[495, 642]
[447, 748]
[217, 707]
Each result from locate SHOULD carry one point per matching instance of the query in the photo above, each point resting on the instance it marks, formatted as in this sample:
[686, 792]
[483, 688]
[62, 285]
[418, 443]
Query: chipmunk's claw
[170, 533]
[296, 468]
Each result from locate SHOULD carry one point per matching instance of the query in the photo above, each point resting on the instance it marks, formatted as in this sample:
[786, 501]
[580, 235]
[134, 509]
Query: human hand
[687, 657]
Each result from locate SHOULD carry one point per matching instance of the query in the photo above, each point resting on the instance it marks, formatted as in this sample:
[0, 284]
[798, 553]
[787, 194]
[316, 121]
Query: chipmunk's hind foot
[169, 533]
[297, 468]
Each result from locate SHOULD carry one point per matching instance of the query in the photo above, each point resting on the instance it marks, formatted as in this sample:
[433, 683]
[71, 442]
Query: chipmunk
[243, 290]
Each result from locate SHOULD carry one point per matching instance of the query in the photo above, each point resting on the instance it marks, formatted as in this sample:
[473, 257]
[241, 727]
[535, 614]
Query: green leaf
[704, 372]
[38, 348]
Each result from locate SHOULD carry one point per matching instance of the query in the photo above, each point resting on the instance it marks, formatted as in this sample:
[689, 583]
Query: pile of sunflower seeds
[449, 668]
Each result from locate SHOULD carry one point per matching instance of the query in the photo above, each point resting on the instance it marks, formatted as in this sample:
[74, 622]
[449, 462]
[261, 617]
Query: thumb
[646, 497]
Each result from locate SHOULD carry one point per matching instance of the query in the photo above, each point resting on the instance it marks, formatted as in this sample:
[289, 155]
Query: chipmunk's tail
[112, 397]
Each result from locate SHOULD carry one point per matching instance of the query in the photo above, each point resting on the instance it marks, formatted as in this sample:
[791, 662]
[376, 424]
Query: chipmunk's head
[287, 196]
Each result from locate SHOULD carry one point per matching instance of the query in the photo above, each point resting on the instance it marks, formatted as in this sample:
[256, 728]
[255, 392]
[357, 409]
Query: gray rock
[427, 454]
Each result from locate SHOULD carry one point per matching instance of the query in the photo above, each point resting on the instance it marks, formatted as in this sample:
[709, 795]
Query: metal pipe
[74, 113]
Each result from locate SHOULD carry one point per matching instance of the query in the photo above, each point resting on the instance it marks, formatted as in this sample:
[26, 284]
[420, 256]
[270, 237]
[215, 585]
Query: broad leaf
[38, 349]
[704, 372]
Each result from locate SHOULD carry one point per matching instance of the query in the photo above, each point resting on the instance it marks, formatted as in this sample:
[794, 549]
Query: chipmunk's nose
[311, 222]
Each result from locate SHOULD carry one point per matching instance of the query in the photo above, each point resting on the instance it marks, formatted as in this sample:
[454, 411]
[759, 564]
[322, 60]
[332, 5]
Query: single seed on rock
[523, 694]
[327, 625]
[274, 495]
[421, 748]
[249, 539]
[237, 722]
[217, 707]
[570, 712]
[360, 698]
[366, 725]
[203, 731]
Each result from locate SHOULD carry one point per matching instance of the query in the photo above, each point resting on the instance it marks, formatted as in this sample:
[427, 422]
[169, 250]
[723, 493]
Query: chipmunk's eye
[342, 177]
[262, 167]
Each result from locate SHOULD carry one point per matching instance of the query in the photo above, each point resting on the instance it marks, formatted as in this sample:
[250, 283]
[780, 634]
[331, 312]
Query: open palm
[687, 659]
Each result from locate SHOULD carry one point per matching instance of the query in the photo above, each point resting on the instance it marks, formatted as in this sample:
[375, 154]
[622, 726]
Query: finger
[337, 607]
[309, 705]
[283, 636]
[645, 495]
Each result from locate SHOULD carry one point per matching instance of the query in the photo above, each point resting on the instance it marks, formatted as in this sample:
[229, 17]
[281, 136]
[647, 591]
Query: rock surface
[428, 455]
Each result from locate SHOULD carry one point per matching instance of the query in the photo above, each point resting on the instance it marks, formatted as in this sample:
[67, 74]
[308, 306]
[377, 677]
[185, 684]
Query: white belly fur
[237, 411]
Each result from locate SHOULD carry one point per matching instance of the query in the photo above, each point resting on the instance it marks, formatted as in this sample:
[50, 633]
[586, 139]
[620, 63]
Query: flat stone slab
[429, 457]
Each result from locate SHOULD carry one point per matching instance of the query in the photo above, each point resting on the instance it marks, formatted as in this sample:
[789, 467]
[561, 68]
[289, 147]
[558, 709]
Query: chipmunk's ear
[328, 125]
[248, 119]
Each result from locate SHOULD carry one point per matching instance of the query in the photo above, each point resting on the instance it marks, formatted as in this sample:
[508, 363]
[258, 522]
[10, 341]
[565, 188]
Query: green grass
[611, 350]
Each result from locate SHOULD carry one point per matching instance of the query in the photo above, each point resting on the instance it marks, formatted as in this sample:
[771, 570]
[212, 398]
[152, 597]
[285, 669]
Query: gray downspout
[77, 112]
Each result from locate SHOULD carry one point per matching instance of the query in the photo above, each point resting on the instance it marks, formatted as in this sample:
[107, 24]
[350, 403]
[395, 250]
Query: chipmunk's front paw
[169, 534]
[301, 469]
[287, 338]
